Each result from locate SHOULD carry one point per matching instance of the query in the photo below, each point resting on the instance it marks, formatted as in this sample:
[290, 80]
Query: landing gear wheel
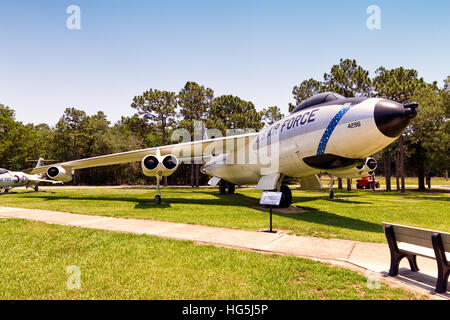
[231, 188]
[6, 190]
[286, 198]
[157, 199]
[36, 188]
[331, 195]
[222, 187]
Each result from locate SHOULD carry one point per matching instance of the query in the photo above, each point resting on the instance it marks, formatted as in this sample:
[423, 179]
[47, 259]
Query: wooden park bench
[409, 242]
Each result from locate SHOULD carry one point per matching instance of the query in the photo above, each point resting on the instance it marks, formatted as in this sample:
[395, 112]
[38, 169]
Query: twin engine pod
[59, 174]
[161, 166]
[370, 165]
[362, 170]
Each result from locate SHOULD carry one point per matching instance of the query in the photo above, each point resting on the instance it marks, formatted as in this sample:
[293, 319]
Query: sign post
[271, 198]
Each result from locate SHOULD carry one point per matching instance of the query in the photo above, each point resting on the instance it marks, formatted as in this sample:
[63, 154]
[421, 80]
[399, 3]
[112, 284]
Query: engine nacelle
[356, 172]
[161, 166]
[59, 174]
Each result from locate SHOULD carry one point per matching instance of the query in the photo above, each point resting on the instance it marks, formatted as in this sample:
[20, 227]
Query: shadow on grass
[338, 198]
[436, 198]
[312, 215]
[415, 194]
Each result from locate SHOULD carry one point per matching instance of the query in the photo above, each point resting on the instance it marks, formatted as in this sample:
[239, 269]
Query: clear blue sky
[255, 49]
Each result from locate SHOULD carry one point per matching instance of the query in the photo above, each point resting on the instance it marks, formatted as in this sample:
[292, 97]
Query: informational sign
[271, 198]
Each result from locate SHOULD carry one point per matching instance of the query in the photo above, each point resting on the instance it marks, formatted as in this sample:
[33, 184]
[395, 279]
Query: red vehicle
[367, 183]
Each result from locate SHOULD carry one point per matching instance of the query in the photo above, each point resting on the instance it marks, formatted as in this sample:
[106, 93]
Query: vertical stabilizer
[40, 163]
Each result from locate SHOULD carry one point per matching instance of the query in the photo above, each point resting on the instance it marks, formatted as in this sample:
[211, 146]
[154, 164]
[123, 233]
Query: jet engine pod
[170, 162]
[150, 162]
[362, 170]
[59, 174]
[371, 164]
[153, 166]
[150, 166]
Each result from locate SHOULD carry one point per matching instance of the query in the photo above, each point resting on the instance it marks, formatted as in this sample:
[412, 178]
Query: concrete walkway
[360, 256]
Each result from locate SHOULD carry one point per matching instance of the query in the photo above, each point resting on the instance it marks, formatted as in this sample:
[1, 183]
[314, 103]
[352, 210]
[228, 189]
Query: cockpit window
[2, 171]
[318, 99]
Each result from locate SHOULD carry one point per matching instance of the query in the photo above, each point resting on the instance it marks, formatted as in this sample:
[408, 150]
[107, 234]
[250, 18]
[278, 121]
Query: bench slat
[421, 251]
[414, 240]
[446, 241]
[418, 236]
[418, 250]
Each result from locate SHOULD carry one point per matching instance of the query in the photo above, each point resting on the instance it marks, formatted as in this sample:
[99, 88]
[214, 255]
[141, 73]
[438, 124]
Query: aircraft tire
[286, 198]
[36, 188]
[157, 199]
[331, 195]
[231, 188]
[222, 187]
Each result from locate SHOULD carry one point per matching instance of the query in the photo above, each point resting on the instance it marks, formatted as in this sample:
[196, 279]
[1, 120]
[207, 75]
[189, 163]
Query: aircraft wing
[185, 152]
[45, 180]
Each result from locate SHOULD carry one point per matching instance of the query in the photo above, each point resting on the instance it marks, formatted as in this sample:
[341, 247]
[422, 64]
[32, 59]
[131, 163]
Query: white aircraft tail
[200, 130]
[40, 163]
[204, 132]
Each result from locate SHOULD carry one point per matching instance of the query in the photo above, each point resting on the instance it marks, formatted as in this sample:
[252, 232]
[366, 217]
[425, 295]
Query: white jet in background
[13, 179]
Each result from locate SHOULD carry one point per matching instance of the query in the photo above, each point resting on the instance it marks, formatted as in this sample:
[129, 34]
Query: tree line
[422, 149]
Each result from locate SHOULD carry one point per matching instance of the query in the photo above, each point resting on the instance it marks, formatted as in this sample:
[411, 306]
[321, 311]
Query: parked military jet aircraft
[326, 133]
[12, 179]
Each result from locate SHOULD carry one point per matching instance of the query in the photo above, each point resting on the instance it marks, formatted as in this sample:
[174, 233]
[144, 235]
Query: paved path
[369, 256]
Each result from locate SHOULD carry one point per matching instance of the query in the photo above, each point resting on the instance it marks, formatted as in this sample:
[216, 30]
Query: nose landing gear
[331, 193]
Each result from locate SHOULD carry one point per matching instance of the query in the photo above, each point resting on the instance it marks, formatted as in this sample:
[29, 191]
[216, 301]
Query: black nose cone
[392, 118]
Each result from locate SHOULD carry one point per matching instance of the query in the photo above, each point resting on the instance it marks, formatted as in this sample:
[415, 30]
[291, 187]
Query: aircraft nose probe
[392, 118]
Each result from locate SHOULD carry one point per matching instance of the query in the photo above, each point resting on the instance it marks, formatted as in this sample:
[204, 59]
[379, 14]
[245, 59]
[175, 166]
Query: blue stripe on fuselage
[331, 126]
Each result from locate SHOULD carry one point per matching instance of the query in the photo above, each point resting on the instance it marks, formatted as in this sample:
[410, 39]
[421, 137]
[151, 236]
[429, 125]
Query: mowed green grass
[435, 181]
[35, 256]
[355, 215]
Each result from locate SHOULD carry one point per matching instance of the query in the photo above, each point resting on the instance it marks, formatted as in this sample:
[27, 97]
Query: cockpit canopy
[2, 171]
[318, 99]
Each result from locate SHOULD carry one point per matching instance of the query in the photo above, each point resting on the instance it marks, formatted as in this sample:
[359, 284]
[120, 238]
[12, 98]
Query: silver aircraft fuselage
[309, 141]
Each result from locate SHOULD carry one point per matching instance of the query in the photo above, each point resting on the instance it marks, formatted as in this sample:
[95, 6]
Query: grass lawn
[435, 181]
[35, 256]
[355, 215]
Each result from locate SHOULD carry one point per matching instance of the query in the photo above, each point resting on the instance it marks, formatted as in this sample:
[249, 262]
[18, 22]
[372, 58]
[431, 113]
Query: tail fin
[204, 132]
[40, 163]
[200, 131]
